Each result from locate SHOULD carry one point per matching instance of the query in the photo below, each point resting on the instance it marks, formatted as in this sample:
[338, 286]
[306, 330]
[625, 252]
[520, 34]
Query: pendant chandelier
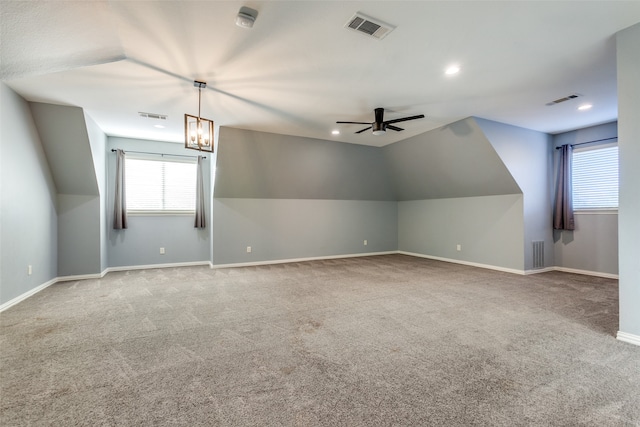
[198, 132]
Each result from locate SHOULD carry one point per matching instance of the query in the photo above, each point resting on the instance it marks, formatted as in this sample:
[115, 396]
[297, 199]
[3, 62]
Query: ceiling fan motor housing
[378, 128]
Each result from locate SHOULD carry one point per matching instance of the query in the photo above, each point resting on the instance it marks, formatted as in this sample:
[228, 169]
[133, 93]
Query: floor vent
[564, 98]
[369, 26]
[538, 254]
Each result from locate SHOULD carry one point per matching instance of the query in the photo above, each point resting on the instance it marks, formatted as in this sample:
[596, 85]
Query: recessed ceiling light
[585, 107]
[158, 126]
[335, 132]
[453, 69]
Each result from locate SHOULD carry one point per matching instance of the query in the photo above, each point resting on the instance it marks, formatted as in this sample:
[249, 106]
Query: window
[160, 186]
[595, 177]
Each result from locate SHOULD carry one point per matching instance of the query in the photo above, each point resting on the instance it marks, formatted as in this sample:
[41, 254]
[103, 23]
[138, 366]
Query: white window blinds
[595, 178]
[160, 186]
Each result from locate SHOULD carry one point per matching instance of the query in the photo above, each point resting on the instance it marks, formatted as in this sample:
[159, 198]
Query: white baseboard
[81, 277]
[35, 290]
[154, 266]
[539, 270]
[26, 295]
[628, 338]
[469, 263]
[290, 260]
[622, 336]
[586, 272]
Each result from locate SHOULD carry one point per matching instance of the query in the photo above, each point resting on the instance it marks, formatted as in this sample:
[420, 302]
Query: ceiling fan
[380, 126]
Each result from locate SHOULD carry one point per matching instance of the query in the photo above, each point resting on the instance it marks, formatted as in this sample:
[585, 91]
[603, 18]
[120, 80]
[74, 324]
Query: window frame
[167, 158]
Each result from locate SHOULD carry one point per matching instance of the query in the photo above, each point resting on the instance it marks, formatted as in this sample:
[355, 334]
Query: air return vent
[369, 26]
[538, 254]
[153, 116]
[564, 98]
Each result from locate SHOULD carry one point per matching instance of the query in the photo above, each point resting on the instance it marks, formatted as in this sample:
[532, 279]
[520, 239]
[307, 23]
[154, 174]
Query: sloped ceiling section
[263, 165]
[452, 161]
[64, 137]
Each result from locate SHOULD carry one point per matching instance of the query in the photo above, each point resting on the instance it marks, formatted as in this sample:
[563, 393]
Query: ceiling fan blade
[360, 131]
[357, 123]
[404, 119]
[396, 128]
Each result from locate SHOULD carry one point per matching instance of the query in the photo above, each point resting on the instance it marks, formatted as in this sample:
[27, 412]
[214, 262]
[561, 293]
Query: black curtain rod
[113, 150]
[590, 142]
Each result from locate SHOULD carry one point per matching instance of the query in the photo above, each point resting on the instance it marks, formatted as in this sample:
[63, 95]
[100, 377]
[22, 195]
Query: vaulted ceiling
[299, 70]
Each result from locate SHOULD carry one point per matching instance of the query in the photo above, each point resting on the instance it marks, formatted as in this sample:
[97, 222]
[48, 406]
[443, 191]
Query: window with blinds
[595, 178]
[160, 186]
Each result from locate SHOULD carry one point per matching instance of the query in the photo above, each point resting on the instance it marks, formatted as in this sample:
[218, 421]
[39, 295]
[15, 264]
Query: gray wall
[98, 144]
[78, 235]
[279, 229]
[28, 222]
[455, 189]
[527, 154]
[140, 244]
[293, 197]
[488, 228]
[455, 160]
[628, 58]
[593, 245]
[265, 165]
[77, 167]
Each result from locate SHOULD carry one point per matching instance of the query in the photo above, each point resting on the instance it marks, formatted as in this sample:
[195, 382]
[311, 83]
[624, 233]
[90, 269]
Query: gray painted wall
[628, 58]
[593, 245]
[455, 189]
[455, 160]
[98, 144]
[78, 235]
[140, 243]
[527, 154]
[28, 223]
[489, 228]
[264, 165]
[77, 165]
[63, 132]
[292, 197]
[279, 229]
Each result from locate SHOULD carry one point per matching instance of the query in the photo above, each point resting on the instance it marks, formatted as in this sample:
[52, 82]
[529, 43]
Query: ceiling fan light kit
[198, 131]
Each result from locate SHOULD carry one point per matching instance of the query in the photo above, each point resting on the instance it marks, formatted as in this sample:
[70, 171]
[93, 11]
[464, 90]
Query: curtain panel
[120, 202]
[200, 216]
[563, 210]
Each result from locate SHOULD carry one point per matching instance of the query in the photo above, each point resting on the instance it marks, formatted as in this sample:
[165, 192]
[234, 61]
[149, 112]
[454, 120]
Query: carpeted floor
[374, 341]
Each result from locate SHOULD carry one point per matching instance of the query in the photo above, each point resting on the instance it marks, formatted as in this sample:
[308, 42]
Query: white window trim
[603, 211]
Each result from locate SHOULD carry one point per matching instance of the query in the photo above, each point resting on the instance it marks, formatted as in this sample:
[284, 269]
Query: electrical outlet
[365, 243]
[29, 270]
[161, 251]
[248, 249]
[458, 247]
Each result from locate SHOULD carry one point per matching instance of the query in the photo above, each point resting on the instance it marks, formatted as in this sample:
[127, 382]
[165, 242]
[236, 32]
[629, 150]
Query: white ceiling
[298, 70]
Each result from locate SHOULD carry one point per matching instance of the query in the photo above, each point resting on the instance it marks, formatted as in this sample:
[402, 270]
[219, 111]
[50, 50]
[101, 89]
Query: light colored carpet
[374, 341]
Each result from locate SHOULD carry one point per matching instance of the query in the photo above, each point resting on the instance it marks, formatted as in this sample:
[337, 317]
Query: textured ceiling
[298, 70]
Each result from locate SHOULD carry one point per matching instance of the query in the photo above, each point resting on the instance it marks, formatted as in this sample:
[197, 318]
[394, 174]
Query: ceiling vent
[369, 26]
[153, 116]
[564, 98]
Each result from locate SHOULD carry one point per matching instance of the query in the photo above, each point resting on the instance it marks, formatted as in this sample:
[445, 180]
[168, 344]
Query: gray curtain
[120, 202]
[200, 220]
[563, 210]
